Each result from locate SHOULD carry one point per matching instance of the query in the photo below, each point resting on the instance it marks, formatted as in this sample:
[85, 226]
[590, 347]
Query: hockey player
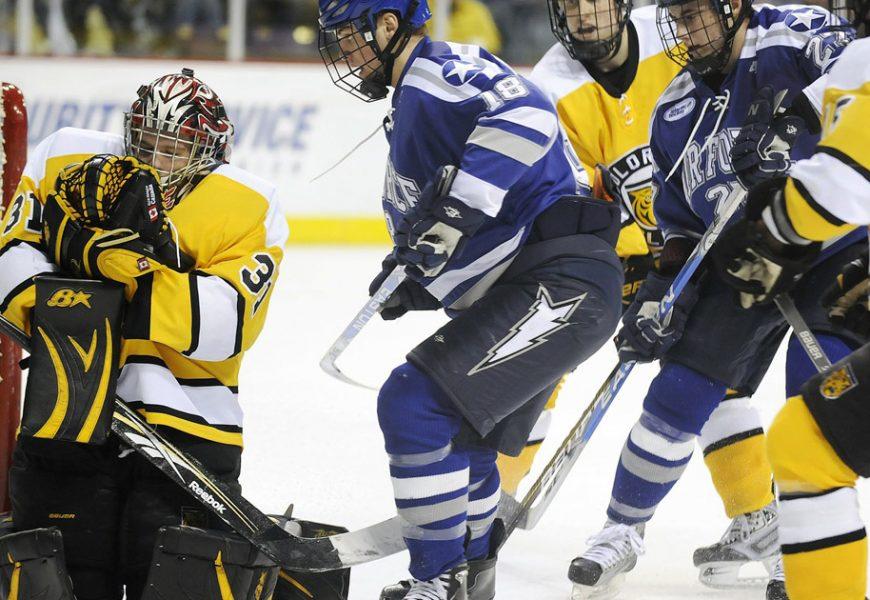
[728, 51]
[196, 265]
[818, 441]
[605, 77]
[482, 202]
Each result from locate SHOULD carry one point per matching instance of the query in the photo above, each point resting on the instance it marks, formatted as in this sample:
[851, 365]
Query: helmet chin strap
[376, 84]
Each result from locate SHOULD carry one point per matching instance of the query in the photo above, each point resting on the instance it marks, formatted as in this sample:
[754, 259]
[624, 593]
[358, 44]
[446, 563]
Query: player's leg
[154, 501]
[818, 447]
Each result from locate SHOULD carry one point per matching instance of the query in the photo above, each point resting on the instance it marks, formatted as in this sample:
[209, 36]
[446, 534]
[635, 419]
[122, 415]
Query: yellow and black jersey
[829, 193]
[607, 121]
[185, 374]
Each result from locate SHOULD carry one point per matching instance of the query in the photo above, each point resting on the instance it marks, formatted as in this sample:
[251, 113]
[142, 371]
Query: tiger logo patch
[837, 383]
[642, 205]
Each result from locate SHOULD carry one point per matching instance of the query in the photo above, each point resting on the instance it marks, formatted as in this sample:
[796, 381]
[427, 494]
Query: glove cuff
[459, 215]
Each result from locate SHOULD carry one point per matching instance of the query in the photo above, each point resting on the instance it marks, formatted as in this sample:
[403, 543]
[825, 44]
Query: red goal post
[13, 155]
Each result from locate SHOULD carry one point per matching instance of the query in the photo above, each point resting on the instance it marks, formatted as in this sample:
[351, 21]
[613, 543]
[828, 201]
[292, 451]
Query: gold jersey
[829, 193]
[610, 126]
[199, 324]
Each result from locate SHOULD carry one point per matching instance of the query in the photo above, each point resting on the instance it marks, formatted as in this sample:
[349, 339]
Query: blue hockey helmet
[693, 41]
[350, 50]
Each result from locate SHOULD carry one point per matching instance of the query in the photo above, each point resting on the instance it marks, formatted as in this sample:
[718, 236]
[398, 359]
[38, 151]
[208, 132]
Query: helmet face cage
[353, 59]
[702, 34]
[589, 29]
[179, 126]
[854, 12]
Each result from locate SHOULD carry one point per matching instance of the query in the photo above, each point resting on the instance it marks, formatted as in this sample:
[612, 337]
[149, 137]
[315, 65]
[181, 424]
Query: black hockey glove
[642, 338]
[847, 299]
[435, 230]
[410, 295]
[635, 268]
[762, 148]
[755, 261]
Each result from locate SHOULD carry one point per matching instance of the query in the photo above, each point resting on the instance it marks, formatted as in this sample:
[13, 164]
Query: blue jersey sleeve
[516, 129]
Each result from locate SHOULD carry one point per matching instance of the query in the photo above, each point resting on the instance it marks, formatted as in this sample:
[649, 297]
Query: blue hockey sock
[483, 494]
[661, 443]
[430, 477]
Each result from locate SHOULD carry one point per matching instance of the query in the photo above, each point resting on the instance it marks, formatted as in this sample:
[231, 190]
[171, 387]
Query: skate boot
[451, 585]
[753, 537]
[776, 585]
[612, 553]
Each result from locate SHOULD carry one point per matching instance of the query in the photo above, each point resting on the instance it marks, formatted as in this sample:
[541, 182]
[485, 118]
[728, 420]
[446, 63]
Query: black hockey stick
[802, 331]
[288, 551]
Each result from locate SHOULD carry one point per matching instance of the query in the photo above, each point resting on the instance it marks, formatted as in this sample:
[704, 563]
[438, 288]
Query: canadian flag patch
[143, 264]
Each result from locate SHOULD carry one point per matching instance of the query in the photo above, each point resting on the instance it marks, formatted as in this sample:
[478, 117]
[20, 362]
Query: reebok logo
[206, 497]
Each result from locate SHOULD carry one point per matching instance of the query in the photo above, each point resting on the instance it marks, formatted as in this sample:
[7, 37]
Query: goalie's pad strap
[202, 563]
[74, 360]
[32, 566]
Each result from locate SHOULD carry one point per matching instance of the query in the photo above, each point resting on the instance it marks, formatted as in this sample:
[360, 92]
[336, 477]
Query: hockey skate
[612, 553]
[776, 585]
[452, 585]
[750, 538]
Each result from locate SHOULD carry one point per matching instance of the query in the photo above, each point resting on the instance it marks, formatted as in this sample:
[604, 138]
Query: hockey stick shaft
[527, 513]
[802, 332]
[372, 307]
[227, 503]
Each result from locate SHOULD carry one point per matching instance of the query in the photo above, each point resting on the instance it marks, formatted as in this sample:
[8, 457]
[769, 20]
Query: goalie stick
[525, 514]
[372, 307]
[288, 551]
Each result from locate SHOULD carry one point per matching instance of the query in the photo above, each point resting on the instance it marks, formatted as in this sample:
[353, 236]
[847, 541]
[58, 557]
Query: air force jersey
[460, 105]
[694, 126]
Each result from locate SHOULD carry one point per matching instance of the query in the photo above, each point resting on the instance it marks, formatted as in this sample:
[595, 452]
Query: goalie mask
[589, 29]
[179, 126]
[699, 34]
[350, 50]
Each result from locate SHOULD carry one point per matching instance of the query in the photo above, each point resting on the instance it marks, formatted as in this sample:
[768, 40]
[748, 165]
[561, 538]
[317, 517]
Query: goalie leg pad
[74, 360]
[32, 566]
[202, 563]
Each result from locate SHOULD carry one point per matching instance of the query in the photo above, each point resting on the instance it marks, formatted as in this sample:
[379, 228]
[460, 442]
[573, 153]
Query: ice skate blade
[603, 592]
[726, 576]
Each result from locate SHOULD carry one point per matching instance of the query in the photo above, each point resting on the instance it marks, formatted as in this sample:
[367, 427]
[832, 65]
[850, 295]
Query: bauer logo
[680, 110]
[838, 383]
[206, 497]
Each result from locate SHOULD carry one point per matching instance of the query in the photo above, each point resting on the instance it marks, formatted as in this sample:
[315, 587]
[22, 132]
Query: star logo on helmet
[805, 20]
[459, 73]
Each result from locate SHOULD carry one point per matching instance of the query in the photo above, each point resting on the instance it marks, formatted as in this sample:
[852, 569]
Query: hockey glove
[761, 150]
[635, 268]
[847, 299]
[642, 338]
[410, 295]
[105, 219]
[753, 257]
[435, 230]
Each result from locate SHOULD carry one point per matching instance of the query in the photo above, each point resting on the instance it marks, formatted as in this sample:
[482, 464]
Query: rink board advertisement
[291, 122]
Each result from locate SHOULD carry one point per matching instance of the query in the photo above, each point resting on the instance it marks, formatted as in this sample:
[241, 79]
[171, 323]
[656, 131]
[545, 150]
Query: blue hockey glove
[762, 148]
[435, 229]
[410, 295]
[642, 338]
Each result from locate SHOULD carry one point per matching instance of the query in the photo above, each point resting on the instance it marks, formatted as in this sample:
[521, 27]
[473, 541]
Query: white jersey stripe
[218, 304]
[478, 193]
[508, 144]
[18, 264]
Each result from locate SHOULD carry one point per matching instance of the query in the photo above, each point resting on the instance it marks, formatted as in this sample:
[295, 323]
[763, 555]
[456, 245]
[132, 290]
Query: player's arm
[217, 310]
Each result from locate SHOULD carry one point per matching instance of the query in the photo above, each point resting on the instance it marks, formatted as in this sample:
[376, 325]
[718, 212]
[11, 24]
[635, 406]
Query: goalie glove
[433, 232]
[758, 256]
[105, 218]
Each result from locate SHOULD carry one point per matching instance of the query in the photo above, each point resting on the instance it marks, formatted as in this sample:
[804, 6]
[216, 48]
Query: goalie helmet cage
[13, 154]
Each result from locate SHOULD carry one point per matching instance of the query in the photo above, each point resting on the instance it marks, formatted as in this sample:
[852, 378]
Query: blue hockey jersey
[460, 105]
[694, 126]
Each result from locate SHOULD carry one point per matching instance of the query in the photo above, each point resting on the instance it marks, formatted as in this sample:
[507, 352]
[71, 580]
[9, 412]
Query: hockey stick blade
[802, 332]
[527, 513]
[372, 307]
[288, 551]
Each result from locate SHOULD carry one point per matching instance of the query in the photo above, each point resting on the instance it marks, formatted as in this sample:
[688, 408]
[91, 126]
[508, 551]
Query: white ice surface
[315, 442]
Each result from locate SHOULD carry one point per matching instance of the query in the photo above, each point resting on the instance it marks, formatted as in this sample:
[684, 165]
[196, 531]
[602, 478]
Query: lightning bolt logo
[543, 319]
